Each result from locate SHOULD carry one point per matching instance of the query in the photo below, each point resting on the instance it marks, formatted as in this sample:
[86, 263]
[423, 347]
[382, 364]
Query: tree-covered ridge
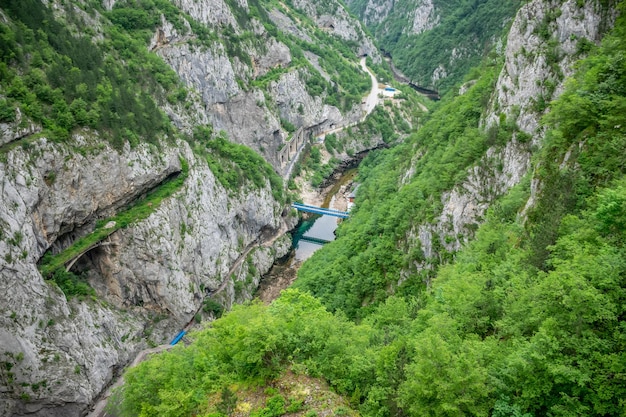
[377, 247]
[62, 80]
[463, 32]
[372, 250]
[493, 337]
[527, 320]
[249, 345]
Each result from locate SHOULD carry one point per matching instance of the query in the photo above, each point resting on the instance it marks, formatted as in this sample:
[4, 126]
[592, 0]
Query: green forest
[465, 32]
[528, 319]
[65, 75]
[63, 81]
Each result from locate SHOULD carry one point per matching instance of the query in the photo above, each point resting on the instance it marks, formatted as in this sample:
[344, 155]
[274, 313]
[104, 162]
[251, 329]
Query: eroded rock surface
[149, 281]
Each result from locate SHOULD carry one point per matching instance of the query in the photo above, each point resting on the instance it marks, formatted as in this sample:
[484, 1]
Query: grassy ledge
[50, 264]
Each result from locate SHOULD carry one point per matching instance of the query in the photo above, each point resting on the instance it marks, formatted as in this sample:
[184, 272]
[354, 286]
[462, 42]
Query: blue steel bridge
[320, 210]
[312, 239]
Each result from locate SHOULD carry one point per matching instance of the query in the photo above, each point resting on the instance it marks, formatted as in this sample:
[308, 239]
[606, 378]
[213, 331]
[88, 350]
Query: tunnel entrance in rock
[75, 232]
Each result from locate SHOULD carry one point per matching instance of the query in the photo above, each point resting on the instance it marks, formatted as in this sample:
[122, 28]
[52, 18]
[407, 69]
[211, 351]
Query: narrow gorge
[150, 153]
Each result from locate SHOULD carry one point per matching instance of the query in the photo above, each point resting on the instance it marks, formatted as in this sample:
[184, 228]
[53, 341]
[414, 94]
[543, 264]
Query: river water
[284, 271]
[321, 227]
[315, 227]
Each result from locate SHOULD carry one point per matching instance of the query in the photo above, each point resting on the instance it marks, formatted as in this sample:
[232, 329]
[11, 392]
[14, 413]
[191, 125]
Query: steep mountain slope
[419, 204]
[124, 202]
[434, 43]
[261, 79]
[527, 319]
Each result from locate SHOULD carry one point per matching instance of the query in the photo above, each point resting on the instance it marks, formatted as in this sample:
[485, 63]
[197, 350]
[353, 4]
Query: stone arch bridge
[290, 151]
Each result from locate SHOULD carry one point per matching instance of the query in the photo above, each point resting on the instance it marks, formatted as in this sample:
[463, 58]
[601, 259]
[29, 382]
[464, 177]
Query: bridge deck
[312, 239]
[320, 210]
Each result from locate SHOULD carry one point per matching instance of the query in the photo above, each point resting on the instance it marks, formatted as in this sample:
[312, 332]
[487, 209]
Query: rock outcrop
[376, 11]
[149, 281]
[208, 12]
[536, 65]
[17, 129]
[542, 46]
[333, 18]
[425, 17]
[225, 82]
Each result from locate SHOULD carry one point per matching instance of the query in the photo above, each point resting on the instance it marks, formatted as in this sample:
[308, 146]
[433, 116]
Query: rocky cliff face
[150, 279]
[225, 82]
[544, 42]
[536, 64]
[336, 20]
[423, 13]
[17, 129]
[374, 11]
[152, 276]
[425, 17]
[209, 12]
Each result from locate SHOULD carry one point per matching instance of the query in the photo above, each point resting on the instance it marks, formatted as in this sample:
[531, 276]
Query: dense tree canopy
[462, 32]
[64, 80]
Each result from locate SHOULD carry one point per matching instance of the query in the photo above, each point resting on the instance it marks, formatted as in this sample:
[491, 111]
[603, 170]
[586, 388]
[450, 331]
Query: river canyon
[150, 153]
[284, 272]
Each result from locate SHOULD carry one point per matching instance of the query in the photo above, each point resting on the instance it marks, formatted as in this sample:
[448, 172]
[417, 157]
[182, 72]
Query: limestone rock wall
[422, 15]
[425, 17]
[17, 129]
[209, 12]
[376, 11]
[541, 48]
[223, 83]
[334, 18]
[298, 107]
[149, 282]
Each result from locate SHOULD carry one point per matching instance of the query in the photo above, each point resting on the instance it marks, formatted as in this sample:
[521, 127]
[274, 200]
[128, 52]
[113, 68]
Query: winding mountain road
[368, 105]
[372, 98]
